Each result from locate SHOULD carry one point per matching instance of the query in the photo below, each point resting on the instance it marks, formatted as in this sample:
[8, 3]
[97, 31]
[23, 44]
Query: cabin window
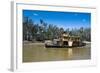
[65, 43]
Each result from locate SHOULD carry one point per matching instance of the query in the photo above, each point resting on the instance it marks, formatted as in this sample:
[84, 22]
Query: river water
[37, 52]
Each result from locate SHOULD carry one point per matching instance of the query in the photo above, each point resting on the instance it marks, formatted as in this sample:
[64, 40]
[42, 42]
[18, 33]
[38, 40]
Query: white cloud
[35, 14]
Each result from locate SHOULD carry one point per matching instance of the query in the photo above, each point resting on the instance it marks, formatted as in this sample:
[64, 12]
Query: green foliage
[43, 31]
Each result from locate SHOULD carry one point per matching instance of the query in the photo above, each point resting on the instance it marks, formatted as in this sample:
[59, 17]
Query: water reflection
[37, 52]
[70, 52]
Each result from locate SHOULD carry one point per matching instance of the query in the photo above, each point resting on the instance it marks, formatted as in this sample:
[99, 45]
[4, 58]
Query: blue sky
[60, 19]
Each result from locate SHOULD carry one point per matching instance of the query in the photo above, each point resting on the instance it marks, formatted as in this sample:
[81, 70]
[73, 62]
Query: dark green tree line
[44, 31]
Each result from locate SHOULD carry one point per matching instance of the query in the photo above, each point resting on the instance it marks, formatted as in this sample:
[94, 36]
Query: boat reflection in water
[36, 52]
[70, 52]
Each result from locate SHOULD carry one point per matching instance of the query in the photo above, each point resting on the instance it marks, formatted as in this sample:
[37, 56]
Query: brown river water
[37, 52]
